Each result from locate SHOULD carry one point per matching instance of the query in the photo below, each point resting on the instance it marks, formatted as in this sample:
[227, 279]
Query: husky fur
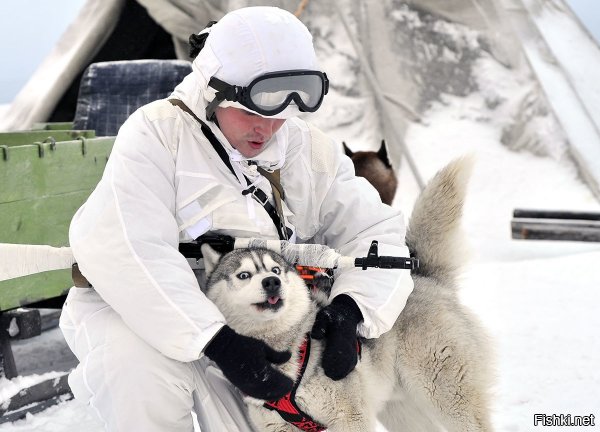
[430, 372]
[377, 169]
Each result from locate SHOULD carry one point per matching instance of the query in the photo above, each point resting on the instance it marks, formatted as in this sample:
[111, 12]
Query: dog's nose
[271, 285]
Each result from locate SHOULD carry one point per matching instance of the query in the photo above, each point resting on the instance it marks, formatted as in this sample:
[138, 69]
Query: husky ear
[211, 257]
[383, 156]
[348, 152]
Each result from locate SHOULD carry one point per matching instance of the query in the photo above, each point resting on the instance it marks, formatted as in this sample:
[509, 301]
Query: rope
[380, 97]
[301, 8]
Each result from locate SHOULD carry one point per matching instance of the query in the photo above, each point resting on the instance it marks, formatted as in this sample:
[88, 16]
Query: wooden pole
[528, 229]
[555, 214]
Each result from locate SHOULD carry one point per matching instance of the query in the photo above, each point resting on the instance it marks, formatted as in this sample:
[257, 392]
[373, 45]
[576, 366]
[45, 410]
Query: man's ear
[211, 258]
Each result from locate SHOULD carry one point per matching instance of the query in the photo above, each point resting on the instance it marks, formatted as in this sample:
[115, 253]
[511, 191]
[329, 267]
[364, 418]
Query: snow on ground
[537, 298]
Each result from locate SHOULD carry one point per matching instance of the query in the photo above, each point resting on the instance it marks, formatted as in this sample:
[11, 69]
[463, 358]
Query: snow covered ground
[538, 299]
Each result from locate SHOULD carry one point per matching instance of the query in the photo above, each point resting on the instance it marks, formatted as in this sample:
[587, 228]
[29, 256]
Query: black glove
[246, 362]
[337, 324]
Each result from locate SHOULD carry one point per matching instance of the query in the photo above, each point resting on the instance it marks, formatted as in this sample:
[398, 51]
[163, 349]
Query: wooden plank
[34, 408]
[555, 214]
[44, 220]
[36, 398]
[39, 392]
[66, 167]
[8, 368]
[530, 229]
[29, 137]
[26, 290]
[38, 198]
[38, 221]
[53, 126]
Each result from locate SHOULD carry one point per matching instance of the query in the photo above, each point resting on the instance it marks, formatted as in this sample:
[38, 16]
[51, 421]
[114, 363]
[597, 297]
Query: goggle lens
[270, 93]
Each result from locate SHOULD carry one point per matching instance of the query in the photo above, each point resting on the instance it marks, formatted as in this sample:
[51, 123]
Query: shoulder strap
[273, 178]
[207, 133]
[276, 214]
[278, 193]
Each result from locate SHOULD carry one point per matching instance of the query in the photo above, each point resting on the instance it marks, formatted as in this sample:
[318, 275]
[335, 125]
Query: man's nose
[265, 126]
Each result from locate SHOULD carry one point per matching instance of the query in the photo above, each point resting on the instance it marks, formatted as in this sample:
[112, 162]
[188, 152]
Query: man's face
[245, 131]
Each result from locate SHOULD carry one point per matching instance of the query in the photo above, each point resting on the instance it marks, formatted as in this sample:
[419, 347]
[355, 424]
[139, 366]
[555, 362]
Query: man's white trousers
[133, 387]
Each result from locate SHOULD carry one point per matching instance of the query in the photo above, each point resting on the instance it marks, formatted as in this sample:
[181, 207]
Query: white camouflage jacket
[165, 184]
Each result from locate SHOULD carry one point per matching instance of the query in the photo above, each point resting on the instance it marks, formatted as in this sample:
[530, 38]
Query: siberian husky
[430, 372]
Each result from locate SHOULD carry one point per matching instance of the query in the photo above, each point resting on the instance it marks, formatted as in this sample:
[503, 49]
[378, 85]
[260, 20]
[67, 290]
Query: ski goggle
[271, 93]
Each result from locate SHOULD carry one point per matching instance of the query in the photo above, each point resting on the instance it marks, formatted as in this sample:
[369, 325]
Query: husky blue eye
[243, 275]
[276, 270]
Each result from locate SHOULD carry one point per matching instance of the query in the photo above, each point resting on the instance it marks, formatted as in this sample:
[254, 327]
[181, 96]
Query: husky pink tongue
[273, 300]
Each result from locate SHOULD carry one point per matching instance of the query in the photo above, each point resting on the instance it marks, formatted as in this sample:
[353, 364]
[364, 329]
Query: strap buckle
[283, 231]
[258, 194]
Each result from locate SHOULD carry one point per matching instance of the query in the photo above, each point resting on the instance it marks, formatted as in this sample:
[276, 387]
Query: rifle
[18, 260]
[309, 254]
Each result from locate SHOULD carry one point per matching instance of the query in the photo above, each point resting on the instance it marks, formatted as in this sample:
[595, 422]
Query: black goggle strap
[225, 91]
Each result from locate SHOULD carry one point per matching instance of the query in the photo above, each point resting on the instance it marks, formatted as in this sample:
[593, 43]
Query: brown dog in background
[377, 169]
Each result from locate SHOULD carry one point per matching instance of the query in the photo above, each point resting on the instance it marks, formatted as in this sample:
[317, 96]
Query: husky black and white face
[252, 287]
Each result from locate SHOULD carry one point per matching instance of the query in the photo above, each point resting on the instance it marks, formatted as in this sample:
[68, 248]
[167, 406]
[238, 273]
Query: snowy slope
[538, 299]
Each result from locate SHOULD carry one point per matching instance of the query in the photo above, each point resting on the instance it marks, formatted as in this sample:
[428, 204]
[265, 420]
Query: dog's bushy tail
[433, 234]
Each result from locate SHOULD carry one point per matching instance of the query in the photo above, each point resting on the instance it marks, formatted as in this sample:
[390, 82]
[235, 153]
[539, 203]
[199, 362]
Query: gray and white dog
[430, 372]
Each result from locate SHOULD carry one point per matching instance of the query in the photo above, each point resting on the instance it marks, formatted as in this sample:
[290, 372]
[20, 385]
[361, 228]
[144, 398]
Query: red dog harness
[287, 407]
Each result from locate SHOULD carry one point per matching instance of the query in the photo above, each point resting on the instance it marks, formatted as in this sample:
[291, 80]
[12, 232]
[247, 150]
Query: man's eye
[276, 270]
[243, 275]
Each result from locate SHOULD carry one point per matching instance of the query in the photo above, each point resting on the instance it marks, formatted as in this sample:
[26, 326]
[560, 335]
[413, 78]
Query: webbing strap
[79, 280]
[207, 133]
[275, 213]
[278, 197]
[273, 178]
[287, 407]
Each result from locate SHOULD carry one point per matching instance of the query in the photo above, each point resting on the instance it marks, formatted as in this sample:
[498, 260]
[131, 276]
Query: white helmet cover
[249, 42]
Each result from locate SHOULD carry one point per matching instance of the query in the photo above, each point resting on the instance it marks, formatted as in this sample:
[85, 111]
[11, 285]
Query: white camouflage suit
[140, 331]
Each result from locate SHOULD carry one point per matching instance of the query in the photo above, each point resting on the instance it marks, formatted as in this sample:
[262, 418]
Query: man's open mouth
[256, 144]
[272, 303]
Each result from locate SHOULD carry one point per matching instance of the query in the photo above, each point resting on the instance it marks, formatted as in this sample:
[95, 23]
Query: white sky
[28, 31]
[30, 28]
[588, 12]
